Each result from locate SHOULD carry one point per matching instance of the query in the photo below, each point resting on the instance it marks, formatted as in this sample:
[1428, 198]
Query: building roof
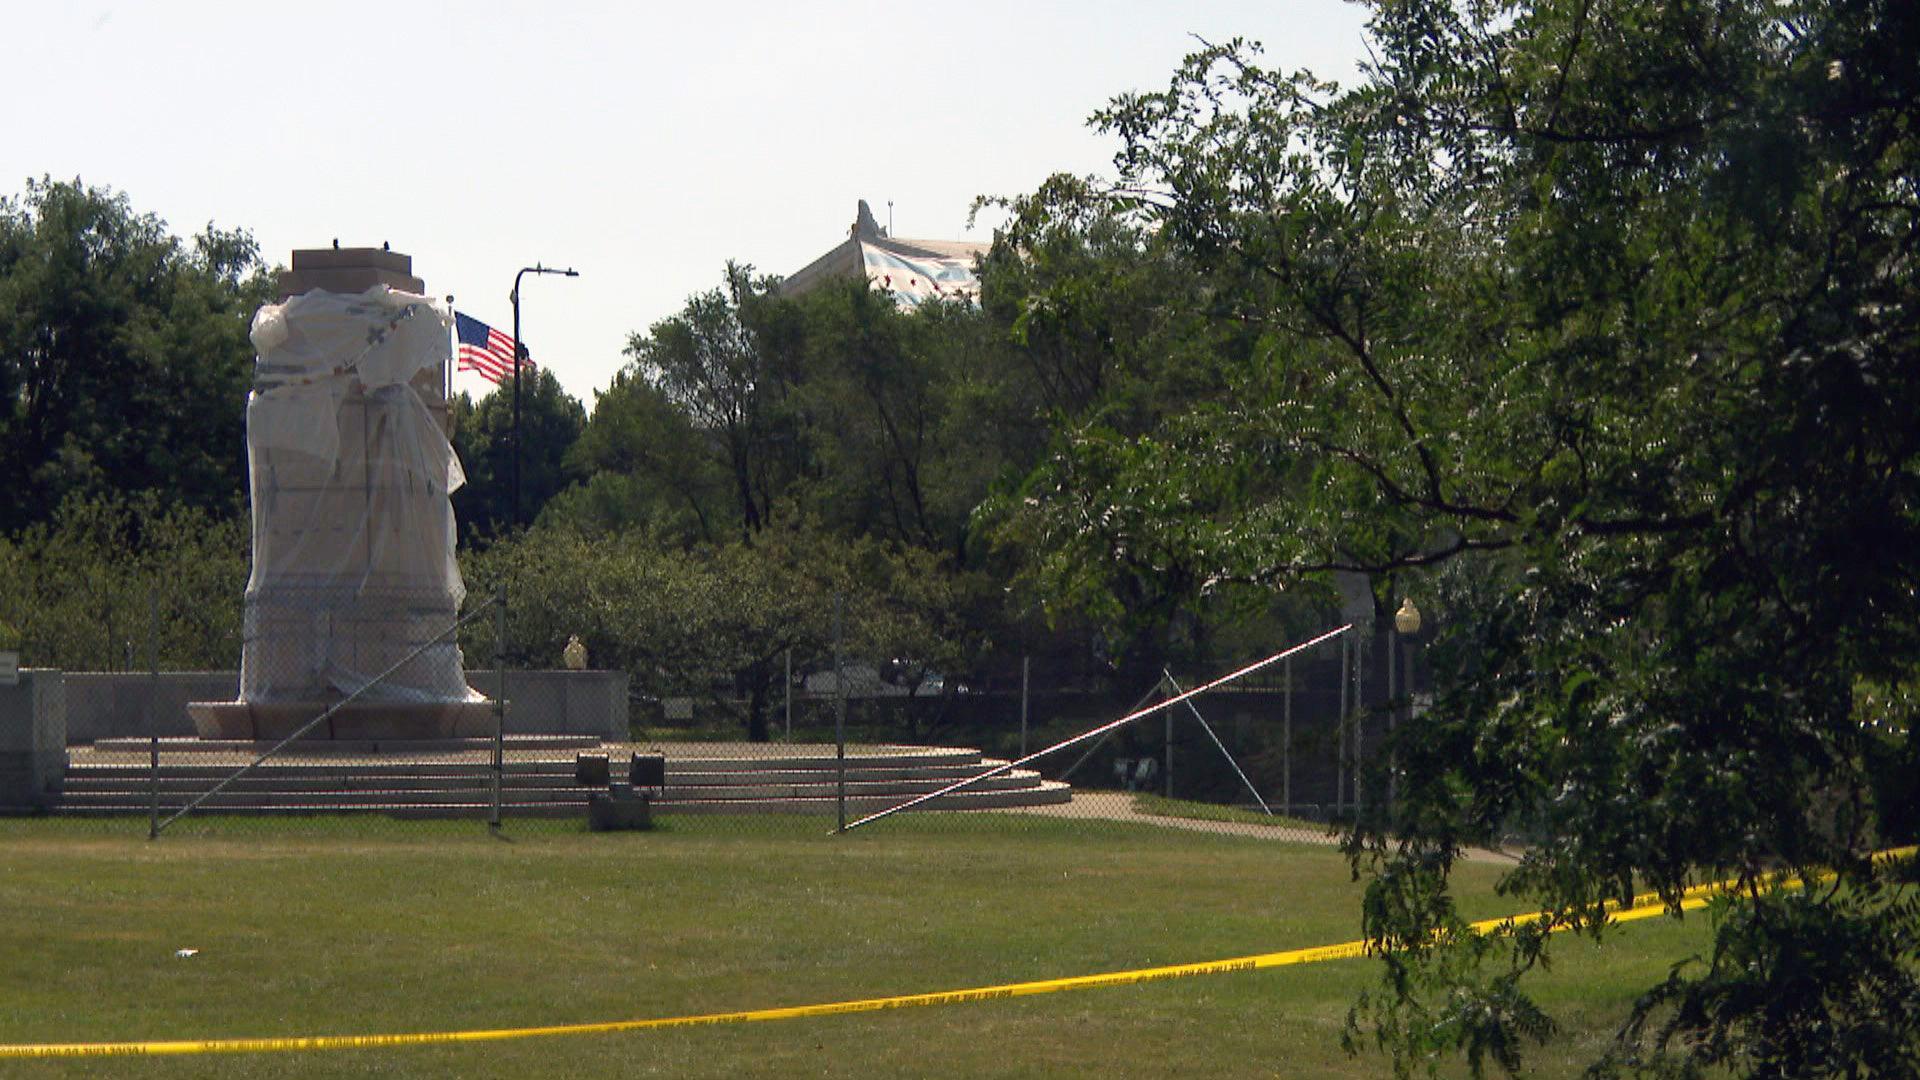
[913, 271]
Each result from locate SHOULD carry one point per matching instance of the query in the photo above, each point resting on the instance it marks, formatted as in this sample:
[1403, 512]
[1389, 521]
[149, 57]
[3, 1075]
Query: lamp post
[1406, 623]
[519, 357]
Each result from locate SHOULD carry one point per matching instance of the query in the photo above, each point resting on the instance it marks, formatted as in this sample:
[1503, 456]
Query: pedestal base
[368, 721]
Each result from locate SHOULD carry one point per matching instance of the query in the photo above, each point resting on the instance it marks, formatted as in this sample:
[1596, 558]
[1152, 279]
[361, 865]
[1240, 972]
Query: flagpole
[519, 358]
[446, 372]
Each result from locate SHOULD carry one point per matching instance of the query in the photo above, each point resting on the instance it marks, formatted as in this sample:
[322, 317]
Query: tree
[551, 421]
[645, 463]
[1130, 341]
[908, 414]
[107, 579]
[712, 620]
[726, 363]
[124, 359]
[1594, 324]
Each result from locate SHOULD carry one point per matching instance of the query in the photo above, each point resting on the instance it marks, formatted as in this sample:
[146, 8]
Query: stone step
[866, 756]
[466, 810]
[138, 787]
[539, 772]
[872, 771]
[1045, 793]
[230, 799]
[478, 804]
[172, 744]
[745, 774]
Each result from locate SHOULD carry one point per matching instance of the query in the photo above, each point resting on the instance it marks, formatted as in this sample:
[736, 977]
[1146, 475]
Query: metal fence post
[1340, 731]
[1169, 729]
[839, 715]
[1359, 724]
[153, 719]
[1026, 669]
[1393, 712]
[500, 695]
[1286, 742]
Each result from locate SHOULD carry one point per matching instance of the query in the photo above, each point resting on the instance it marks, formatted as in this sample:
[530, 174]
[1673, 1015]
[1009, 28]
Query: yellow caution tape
[1643, 907]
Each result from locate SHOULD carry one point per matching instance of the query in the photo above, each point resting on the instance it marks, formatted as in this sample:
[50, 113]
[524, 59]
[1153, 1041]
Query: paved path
[1120, 806]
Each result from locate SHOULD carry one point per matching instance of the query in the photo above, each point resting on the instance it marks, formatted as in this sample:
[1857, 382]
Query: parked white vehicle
[865, 681]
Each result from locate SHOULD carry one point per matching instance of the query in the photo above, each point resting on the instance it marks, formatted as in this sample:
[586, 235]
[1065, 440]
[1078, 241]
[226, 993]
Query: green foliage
[713, 620]
[813, 430]
[104, 580]
[645, 464]
[884, 397]
[752, 410]
[124, 359]
[1808, 985]
[550, 423]
[751, 407]
[721, 372]
[1596, 321]
[1133, 344]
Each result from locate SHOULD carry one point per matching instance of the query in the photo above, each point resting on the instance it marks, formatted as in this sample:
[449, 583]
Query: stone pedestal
[357, 722]
[354, 582]
[348, 270]
[33, 741]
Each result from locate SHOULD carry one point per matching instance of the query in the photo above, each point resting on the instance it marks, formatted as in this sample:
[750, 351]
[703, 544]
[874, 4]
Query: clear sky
[642, 144]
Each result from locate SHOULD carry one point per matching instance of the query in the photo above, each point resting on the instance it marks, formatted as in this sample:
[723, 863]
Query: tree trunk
[757, 704]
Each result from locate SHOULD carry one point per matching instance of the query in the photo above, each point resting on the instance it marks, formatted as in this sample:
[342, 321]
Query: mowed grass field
[346, 927]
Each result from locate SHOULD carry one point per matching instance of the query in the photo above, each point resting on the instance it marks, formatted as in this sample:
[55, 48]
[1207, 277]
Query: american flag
[485, 351]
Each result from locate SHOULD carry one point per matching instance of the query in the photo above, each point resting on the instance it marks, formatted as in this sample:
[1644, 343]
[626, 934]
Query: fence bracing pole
[1224, 752]
[1095, 733]
[1102, 741]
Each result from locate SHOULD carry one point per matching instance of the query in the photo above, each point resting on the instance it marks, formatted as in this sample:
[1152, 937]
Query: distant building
[913, 271]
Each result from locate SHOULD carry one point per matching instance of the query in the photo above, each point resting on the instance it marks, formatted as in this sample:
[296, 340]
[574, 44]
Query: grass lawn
[1161, 806]
[339, 927]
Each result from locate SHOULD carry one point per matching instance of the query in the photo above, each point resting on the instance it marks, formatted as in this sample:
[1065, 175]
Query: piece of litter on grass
[182, 954]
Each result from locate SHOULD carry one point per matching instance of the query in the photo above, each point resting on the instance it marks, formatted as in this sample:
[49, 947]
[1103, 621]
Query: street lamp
[1407, 619]
[1406, 623]
[519, 357]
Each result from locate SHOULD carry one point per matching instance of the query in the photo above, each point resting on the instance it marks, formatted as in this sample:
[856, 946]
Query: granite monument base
[359, 721]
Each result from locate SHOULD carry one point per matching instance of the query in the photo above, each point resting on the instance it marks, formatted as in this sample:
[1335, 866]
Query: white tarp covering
[913, 280]
[351, 471]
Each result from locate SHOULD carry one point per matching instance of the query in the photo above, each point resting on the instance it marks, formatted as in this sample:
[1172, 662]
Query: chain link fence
[335, 724]
[1285, 750]
[1288, 749]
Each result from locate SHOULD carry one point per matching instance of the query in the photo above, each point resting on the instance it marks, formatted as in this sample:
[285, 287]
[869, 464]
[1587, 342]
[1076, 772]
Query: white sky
[642, 144]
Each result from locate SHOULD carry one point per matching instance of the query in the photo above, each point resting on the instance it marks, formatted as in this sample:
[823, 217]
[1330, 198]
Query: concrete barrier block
[33, 740]
[610, 813]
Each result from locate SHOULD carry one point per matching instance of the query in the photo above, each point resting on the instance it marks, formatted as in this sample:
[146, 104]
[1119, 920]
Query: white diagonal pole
[1104, 728]
[1208, 728]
